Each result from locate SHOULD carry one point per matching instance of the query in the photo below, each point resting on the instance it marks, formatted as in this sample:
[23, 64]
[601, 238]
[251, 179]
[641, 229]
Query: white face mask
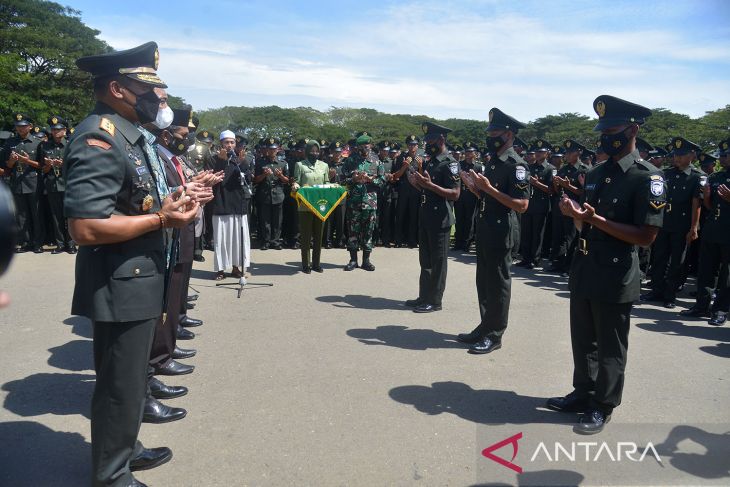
[164, 118]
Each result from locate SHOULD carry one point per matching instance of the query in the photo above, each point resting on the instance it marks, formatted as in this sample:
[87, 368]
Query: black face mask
[179, 147]
[433, 149]
[364, 151]
[613, 144]
[495, 143]
[146, 107]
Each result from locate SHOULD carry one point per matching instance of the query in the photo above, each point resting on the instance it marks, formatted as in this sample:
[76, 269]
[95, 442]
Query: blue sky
[437, 58]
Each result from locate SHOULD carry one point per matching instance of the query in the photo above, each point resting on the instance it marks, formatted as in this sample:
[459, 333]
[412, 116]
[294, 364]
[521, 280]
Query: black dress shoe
[696, 312]
[160, 390]
[188, 322]
[276, 246]
[572, 403]
[150, 458]
[318, 268]
[469, 338]
[485, 346]
[412, 303]
[368, 266]
[670, 304]
[192, 297]
[183, 353]
[427, 308]
[58, 250]
[72, 249]
[264, 247]
[189, 305]
[529, 266]
[651, 296]
[522, 263]
[718, 318]
[591, 422]
[183, 334]
[22, 250]
[328, 245]
[351, 265]
[307, 270]
[198, 258]
[136, 483]
[38, 250]
[174, 368]
[157, 413]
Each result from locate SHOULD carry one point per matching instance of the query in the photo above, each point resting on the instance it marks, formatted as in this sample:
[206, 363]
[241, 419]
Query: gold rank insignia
[424, 127]
[157, 59]
[724, 145]
[180, 146]
[271, 141]
[567, 144]
[36, 129]
[19, 117]
[205, 133]
[539, 143]
[107, 126]
[54, 120]
[337, 144]
[365, 134]
[601, 108]
[678, 143]
[147, 203]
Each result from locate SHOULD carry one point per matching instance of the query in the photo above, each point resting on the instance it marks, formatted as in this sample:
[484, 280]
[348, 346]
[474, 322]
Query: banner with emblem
[321, 199]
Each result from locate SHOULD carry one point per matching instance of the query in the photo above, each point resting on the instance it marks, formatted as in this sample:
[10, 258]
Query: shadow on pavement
[406, 338]
[713, 464]
[362, 301]
[60, 394]
[719, 350]
[479, 406]
[35, 455]
[76, 355]
[80, 326]
[553, 478]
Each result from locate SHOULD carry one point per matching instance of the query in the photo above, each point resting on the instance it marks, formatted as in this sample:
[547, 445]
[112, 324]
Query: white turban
[227, 134]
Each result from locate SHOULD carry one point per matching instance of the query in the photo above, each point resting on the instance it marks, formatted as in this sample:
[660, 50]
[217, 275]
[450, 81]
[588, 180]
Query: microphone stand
[242, 280]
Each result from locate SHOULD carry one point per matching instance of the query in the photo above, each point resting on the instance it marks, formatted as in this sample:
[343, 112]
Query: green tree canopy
[39, 44]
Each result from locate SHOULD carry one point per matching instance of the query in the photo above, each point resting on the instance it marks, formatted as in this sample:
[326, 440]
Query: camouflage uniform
[362, 200]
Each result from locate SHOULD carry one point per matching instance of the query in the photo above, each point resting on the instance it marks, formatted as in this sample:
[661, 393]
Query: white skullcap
[227, 134]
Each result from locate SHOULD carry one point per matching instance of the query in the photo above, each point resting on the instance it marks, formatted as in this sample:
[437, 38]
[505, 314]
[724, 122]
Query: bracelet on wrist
[162, 218]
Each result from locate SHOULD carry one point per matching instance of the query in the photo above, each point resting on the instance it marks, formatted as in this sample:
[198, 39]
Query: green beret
[363, 139]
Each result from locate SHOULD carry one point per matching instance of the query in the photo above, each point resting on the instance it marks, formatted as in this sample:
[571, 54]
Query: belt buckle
[583, 246]
[423, 198]
[717, 212]
[669, 207]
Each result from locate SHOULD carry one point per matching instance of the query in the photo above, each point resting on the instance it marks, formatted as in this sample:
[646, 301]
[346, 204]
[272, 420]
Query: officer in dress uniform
[116, 213]
[270, 178]
[18, 159]
[50, 157]
[714, 262]
[503, 189]
[465, 206]
[622, 208]
[681, 223]
[440, 187]
[534, 219]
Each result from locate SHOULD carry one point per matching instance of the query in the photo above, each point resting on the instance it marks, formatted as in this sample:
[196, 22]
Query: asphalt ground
[328, 380]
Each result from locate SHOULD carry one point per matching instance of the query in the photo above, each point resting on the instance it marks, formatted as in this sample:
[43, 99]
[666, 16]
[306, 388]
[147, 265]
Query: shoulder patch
[657, 185]
[98, 143]
[107, 126]
[703, 179]
[454, 168]
[520, 173]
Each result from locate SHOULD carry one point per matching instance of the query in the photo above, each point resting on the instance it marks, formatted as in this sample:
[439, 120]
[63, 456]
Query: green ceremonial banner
[321, 200]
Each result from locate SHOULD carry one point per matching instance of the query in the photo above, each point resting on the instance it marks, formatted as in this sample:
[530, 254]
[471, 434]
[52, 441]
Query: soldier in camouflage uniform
[364, 174]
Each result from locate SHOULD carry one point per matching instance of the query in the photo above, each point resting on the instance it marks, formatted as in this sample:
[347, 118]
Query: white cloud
[424, 58]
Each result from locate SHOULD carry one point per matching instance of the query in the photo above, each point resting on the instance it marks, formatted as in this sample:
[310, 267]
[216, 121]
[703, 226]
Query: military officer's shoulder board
[107, 126]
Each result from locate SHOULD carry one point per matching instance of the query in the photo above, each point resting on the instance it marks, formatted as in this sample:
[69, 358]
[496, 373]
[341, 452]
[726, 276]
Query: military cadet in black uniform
[681, 223]
[270, 178]
[406, 230]
[117, 215]
[465, 206]
[18, 158]
[50, 157]
[290, 208]
[623, 205]
[203, 159]
[568, 181]
[440, 187]
[384, 229]
[334, 226]
[504, 188]
[534, 219]
[714, 258]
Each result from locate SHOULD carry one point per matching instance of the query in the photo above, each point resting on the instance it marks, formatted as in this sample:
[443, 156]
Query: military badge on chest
[656, 186]
[521, 177]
